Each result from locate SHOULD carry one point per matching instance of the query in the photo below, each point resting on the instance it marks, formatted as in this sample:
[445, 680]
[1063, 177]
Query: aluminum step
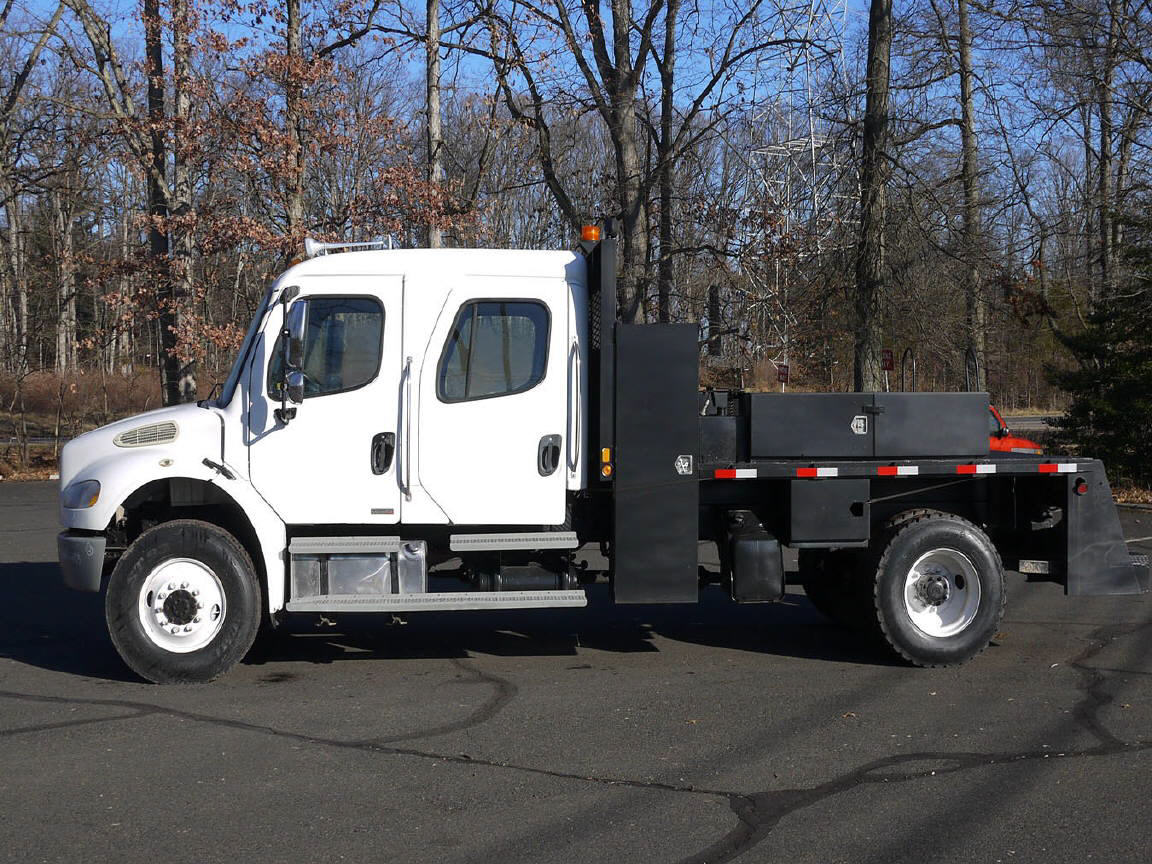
[538, 540]
[443, 600]
[343, 545]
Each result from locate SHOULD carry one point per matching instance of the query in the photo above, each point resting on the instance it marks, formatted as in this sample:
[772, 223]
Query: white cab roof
[442, 262]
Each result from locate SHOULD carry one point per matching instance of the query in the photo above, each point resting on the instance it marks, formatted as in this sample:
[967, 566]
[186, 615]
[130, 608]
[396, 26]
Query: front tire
[183, 603]
[939, 589]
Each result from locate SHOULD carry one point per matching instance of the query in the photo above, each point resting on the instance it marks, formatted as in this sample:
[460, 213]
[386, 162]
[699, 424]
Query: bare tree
[15, 263]
[875, 169]
[434, 134]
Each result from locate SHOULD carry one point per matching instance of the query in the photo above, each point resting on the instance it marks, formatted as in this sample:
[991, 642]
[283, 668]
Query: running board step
[343, 545]
[539, 540]
[444, 600]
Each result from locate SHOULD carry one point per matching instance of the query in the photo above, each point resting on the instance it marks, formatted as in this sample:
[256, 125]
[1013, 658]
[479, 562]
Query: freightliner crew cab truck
[418, 430]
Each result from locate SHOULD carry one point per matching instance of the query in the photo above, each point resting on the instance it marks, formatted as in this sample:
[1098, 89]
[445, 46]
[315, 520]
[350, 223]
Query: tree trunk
[1089, 210]
[294, 120]
[630, 193]
[715, 340]
[1104, 166]
[65, 282]
[874, 172]
[976, 317]
[158, 205]
[182, 228]
[18, 277]
[666, 162]
[434, 136]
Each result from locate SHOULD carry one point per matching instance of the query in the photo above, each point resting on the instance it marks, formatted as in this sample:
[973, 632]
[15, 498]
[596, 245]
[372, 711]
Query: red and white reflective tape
[1056, 467]
[817, 472]
[975, 469]
[735, 473]
[898, 470]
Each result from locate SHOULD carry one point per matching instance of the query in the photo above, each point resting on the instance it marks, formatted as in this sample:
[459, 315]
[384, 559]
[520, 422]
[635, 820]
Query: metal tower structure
[801, 189]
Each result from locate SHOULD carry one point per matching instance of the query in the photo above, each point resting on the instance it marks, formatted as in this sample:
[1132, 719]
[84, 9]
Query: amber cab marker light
[590, 233]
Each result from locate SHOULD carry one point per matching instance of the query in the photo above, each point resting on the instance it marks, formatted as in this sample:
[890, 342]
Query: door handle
[383, 449]
[406, 479]
[548, 455]
[573, 407]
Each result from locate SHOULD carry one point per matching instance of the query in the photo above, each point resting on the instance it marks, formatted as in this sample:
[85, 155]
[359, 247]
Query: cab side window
[342, 346]
[495, 348]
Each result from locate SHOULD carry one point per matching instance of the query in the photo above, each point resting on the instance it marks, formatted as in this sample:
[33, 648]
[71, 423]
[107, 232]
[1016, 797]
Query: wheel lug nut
[196, 620]
[171, 586]
[161, 595]
[195, 592]
[175, 630]
[188, 628]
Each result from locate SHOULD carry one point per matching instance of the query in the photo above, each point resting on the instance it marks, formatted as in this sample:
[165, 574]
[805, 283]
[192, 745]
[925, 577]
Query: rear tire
[939, 590]
[183, 603]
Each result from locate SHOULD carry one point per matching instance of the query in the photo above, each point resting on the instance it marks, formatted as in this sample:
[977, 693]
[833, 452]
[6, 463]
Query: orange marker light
[590, 233]
[605, 470]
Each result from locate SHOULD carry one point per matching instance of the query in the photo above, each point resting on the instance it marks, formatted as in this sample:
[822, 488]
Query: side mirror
[295, 327]
[294, 386]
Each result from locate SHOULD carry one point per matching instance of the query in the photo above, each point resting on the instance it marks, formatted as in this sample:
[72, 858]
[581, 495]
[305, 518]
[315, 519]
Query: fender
[123, 473]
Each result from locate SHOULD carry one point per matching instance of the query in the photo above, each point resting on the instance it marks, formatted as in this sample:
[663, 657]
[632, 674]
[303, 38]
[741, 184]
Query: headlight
[80, 496]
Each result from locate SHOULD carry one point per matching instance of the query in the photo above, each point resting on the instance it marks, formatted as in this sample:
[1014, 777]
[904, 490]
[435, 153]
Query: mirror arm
[284, 414]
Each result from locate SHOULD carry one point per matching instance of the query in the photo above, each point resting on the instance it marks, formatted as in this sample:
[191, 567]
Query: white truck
[417, 430]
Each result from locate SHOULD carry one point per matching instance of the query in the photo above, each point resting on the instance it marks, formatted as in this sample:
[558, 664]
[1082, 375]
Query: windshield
[242, 355]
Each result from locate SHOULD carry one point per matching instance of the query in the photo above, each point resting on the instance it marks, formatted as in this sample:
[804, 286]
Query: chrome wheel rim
[181, 605]
[942, 593]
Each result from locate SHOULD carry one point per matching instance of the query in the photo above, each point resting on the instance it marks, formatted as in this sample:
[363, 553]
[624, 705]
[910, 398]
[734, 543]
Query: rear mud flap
[1097, 556]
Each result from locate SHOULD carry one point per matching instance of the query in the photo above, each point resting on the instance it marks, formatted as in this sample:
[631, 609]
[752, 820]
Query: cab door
[335, 461]
[493, 403]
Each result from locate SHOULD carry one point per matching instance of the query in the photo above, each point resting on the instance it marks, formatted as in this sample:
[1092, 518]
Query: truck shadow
[788, 629]
[45, 625]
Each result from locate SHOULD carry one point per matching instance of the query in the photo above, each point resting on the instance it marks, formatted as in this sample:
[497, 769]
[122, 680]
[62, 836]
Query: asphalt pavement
[704, 733]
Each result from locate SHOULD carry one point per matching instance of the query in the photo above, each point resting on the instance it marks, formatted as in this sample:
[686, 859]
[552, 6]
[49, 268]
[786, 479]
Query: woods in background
[817, 183]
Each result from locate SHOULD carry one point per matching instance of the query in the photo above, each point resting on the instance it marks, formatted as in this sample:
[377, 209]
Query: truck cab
[373, 388]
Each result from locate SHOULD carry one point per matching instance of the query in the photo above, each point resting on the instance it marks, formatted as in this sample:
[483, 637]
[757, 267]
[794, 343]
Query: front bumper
[81, 559]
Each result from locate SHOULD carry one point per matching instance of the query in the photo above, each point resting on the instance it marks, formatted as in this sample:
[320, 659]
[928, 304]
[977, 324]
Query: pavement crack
[144, 709]
[1094, 681]
[66, 724]
[503, 692]
[758, 814]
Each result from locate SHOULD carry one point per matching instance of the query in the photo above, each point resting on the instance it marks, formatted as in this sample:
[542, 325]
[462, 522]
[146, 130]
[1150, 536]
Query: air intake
[142, 436]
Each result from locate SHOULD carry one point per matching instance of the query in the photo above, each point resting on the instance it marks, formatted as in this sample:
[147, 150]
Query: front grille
[142, 436]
